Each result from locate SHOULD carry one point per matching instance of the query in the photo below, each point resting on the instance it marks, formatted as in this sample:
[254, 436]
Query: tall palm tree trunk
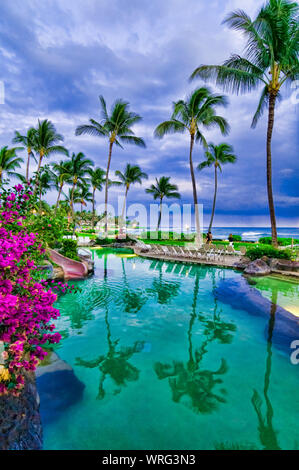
[28, 163]
[38, 170]
[197, 224]
[58, 197]
[272, 100]
[106, 188]
[160, 214]
[40, 200]
[214, 200]
[124, 205]
[72, 199]
[93, 208]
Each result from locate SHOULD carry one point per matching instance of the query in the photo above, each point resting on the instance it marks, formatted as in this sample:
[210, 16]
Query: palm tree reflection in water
[132, 300]
[164, 290]
[190, 379]
[115, 363]
[267, 434]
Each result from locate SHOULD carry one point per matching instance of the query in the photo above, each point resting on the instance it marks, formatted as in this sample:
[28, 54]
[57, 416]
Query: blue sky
[57, 57]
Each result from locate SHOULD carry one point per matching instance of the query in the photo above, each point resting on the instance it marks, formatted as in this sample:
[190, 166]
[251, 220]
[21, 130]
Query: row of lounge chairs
[82, 241]
[205, 252]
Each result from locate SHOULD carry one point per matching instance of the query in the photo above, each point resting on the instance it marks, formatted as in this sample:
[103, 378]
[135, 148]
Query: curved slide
[72, 269]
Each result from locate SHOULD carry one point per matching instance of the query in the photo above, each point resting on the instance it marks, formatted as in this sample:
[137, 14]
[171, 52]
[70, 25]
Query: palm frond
[169, 127]
[230, 79]
[103, 108]
[218, 121]
[132, 139]
[118, 144]
[57, 149]
[94, 129]
[205, 164]
[199, 137]
[263, 103]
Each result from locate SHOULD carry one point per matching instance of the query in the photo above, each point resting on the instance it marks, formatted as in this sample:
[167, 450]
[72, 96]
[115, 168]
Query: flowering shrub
[26, 306]
[61, 287]
[50, 228]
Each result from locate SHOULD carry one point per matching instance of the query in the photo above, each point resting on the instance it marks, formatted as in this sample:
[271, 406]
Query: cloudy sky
[58, 56]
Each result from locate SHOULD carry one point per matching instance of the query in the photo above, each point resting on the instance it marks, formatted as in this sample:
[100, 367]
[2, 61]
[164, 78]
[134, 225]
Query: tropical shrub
[70, 249]
[281, 241]
[109, 241]
[269, 251]
[87, 230]
[49, 228]
[237, 238]
[70, 233]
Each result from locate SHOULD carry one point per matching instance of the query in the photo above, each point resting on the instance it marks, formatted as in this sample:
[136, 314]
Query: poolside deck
[228, 261]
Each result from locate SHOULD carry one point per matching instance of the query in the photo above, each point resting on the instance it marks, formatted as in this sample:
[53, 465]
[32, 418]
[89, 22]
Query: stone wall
[20, 423]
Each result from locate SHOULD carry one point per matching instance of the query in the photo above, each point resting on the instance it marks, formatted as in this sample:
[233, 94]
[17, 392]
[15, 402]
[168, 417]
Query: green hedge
[89, 230]
[105, 241]
[69, 249]
[281, 241]
[266, 250]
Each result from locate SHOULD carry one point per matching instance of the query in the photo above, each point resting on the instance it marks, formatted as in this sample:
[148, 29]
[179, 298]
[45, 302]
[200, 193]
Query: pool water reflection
[167, 365]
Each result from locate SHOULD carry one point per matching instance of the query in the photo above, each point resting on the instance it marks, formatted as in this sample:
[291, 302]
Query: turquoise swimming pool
[171, 356]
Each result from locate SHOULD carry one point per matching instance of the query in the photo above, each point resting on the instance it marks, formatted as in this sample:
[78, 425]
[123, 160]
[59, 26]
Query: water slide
[72, 269]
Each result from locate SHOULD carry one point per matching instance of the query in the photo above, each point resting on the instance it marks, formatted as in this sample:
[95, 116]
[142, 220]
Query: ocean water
[247, 233]
[169, 358]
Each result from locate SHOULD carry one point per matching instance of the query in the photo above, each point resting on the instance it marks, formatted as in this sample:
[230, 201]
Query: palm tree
[9, 161]
[216, 156]
[46, 142]
[71, 198]
[270, 60]
[198, 110]
[85, 195]
[132, 174]
[63, 174]
[79, 169]
[97, 180]
[117, 128]
[28, 140]
[163, 188]
[45, 182]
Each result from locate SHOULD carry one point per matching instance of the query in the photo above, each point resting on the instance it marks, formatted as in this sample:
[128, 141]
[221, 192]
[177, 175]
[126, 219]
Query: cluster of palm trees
[270, 59]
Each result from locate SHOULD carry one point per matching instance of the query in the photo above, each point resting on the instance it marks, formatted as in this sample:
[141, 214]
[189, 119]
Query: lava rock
[243, 263]
[287, 265]
[20, 422]
[257, 268]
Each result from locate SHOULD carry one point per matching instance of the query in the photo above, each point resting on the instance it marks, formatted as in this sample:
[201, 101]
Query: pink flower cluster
[61, 287]
[26, 306]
